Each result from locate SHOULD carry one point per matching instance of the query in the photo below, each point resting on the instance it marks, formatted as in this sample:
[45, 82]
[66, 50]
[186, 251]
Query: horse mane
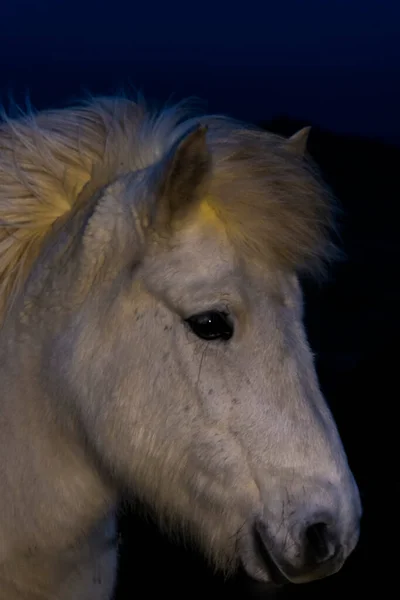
[47, 159]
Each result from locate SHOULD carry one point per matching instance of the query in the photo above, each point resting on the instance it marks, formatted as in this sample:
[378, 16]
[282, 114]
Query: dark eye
[211, 326]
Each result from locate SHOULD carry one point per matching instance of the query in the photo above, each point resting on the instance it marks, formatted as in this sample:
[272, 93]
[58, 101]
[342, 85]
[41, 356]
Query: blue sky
[333, 62]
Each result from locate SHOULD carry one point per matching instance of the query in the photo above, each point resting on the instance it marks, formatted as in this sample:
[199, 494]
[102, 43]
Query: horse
[152, 343]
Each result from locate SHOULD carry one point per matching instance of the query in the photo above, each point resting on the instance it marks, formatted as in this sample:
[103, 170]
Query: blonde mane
[47, 159]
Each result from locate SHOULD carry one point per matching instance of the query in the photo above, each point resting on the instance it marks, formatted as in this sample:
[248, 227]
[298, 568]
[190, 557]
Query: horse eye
[211, 326]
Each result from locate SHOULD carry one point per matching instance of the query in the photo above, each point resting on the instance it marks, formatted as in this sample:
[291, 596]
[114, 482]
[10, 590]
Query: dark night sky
[334, 63]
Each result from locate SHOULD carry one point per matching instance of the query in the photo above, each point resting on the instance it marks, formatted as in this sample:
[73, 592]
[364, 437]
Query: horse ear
[297, 143]
[183, 174]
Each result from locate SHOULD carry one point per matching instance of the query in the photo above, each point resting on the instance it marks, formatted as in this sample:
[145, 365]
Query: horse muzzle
[302, 543]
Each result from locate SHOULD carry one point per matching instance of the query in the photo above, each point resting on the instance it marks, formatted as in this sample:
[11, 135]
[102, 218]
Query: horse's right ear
[297, 143]
[182, 175]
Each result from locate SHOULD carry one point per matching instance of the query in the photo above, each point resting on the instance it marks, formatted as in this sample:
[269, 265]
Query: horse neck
[51, 491]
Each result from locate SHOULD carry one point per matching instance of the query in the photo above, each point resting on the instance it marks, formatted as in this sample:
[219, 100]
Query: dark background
[332, 64]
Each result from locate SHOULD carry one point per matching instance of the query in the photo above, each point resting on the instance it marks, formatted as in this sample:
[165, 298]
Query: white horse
[152, 340]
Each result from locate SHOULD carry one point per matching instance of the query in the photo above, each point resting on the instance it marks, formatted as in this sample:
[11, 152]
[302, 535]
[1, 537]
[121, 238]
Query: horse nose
[310, 548]
[320, 543]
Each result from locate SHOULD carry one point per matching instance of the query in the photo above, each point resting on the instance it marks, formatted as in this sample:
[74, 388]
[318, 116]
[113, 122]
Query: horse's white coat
[104, 387]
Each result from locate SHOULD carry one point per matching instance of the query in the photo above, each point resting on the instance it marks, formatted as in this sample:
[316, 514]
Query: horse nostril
[320, 543]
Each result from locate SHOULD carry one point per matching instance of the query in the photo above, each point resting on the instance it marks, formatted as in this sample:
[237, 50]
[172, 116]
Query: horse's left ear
[297, 143]
[183, 174]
